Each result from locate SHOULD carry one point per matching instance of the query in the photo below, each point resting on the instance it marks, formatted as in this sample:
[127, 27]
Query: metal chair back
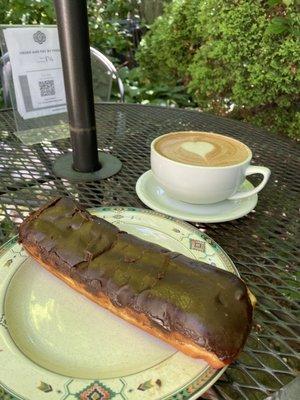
[104, 74]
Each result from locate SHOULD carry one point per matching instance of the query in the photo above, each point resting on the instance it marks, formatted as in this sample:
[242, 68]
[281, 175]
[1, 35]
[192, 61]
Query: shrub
[236, 58]
[106, 30]
[142, 91]
[27, 12]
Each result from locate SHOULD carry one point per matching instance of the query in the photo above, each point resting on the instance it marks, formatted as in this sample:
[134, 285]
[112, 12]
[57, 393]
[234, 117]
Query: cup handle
[253, 169]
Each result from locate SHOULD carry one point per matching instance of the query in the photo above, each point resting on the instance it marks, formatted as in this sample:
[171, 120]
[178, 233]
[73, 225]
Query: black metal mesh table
[263, 244]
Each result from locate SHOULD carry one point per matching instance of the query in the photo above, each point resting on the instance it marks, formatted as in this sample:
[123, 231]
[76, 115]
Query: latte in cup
[203, 167]
[202, 148]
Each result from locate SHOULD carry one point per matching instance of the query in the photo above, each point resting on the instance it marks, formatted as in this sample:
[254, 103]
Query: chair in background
[103, 70]
[104, 75]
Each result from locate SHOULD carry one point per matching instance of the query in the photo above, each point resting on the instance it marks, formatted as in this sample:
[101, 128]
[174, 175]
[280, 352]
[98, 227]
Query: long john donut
[201, 310]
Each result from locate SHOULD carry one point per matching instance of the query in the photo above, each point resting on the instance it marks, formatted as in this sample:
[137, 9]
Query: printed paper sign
[37, 70]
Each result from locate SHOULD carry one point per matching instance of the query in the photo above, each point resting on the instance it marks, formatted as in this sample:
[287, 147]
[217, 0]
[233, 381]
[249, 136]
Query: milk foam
[199, 148]
[202, 148]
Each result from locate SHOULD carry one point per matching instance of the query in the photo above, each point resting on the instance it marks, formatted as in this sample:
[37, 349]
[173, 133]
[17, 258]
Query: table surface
[263, 245]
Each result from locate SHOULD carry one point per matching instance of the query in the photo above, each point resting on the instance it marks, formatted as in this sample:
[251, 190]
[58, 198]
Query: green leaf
[279, 25]
[296, 32]
[273, 2]
[288, 2]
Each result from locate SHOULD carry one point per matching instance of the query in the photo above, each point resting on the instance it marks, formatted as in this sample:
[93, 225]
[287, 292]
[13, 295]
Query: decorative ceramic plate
[57, 345]
[151, 194]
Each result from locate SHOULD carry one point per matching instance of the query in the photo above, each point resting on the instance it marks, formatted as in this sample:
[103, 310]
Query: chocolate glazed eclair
[201, 310]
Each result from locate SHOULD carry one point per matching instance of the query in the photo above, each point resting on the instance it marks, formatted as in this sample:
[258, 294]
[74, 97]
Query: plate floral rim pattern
[11, 257]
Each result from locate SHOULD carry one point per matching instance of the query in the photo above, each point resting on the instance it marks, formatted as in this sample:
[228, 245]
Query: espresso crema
[202, 148]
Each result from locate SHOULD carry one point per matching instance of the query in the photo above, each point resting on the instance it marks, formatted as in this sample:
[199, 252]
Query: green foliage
[166, 52]
[27, 12]
[105, 22]
[236, 58]
[138, 90]
[106, 32]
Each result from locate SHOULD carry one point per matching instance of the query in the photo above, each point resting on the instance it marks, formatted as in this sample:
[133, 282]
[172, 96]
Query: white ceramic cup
[201, 184]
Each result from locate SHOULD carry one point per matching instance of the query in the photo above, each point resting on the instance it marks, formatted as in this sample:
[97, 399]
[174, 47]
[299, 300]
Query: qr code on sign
[47, 88]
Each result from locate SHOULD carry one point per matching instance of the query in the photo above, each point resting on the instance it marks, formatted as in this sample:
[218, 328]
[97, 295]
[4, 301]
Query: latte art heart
[199, 148]
[202, 148]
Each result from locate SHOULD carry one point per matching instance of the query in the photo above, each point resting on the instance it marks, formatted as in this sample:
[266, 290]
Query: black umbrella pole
[73, 33]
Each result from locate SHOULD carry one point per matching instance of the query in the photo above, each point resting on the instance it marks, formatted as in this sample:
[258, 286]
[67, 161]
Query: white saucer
[151, 194]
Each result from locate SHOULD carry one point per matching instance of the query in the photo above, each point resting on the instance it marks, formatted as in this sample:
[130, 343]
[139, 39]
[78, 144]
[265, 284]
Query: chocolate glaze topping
[206, 304]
